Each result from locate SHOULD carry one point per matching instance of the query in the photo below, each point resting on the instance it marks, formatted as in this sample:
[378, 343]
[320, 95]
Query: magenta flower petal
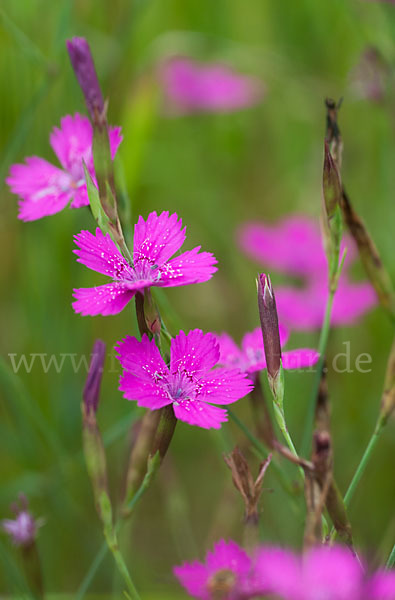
[193, 353]
[99, 253]
[193, 577]
[225, 385]
[251, 358]
[352, 301]
[226, 554]
[301, 309]
[277, 571]
[22, 530]
[44, 189]
[253, 351]
[200, 413]
[223, 575]
[382, 586]
[190, 267]
[140, 379]
[155, 241]
[332, 573]
[293, 246]
[191, 86]
[157, 238]
[230, 354]
[300, 359]
[144, 391]
[115, 137]
[108, 299]
[72, 143]
[189, 383]
[130, 353]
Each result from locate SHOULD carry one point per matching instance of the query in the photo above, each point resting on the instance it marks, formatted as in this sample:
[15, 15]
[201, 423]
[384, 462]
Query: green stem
[364, 461]
[97, 561]
[106, 546]
[308, 428]
[391, 559]
[280, 418]
[362, 465]
[122, 568]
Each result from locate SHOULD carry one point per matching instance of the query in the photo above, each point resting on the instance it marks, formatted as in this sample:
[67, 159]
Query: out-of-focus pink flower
[189, 383]
[191, 86]
[294, 247]
[330, 573]
[155, 241]
[250, 358]
[45, 189]
[381, 586]
[370, 77]
[224, 574]
[23, 529]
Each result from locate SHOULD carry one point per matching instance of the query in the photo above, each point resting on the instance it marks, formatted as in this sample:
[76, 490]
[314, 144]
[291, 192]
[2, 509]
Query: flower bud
[95, 456]
[332, 186]
[269, 325]
[331, 214]
[93, 381]
[84, 69]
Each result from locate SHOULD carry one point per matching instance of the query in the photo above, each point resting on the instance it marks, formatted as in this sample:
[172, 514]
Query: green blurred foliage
[216, 171]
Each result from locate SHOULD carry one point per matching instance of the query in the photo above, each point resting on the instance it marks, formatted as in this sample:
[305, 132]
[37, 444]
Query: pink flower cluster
[324, 573]
[294, 247]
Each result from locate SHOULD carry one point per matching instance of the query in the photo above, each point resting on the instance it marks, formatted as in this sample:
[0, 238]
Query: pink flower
[294, 247]
[223, 575]
[324, 573]
[251, 357]
[45, 189]
[155, 241]
[381, 586]
[23, 529]
[191, 86]
[188, 383]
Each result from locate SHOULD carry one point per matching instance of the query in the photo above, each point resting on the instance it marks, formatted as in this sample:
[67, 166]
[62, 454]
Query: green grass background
[216, 171]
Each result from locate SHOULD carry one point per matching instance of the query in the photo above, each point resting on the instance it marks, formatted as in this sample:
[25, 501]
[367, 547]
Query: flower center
[221, 584]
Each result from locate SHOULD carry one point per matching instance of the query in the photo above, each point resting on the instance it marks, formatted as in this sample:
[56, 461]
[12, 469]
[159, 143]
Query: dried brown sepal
[370, 257]
[388, 397]
[333, 135]
[243, 480]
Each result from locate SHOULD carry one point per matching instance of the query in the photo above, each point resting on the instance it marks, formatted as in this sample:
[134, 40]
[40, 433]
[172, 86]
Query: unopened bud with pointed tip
[269, 325]
[95, 456]
[93, 381]
[332, 186]
[84, 69]
[331, 214]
